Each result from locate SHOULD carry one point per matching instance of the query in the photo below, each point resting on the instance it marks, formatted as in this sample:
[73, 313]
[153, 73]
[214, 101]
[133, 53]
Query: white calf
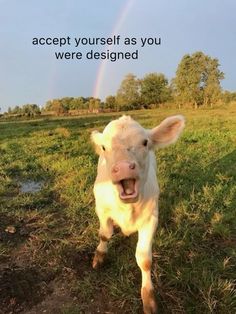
[126, 189]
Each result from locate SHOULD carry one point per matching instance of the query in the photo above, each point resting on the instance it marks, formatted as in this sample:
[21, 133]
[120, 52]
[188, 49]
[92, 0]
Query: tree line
[28, 110]
[197, 83]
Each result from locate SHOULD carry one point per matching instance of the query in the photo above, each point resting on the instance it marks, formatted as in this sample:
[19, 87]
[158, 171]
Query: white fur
[122, 140]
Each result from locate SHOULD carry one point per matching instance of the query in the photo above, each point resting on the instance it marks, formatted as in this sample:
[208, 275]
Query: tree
[212, 88]
[16, 110]
[111, 103]
[77, 103]
[66, 102]
[154, 89]
[228, 96]
[197, 80]
[48, 106]
[94, 104]
[30, 110]
[128, 95]
[57, 107]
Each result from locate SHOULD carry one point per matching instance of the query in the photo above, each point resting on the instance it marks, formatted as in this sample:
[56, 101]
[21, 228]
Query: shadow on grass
[16, 129]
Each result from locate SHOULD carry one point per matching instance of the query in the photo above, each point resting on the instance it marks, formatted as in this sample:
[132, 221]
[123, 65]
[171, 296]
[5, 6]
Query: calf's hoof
[149, 301]
[98, 259]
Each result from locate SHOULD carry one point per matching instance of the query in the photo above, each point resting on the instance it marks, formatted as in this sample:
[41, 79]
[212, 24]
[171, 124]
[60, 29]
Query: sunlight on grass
[194, 256]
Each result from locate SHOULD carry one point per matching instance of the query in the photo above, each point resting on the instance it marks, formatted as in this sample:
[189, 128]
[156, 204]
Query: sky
[32, 74]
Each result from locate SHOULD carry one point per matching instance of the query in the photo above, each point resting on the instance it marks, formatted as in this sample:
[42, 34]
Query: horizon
[32, 74]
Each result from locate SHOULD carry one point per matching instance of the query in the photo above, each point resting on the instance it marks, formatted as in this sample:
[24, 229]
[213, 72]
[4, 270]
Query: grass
[55, 229]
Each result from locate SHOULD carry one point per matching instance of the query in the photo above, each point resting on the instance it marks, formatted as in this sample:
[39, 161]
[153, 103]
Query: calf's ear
[168, 131]
[96, 138]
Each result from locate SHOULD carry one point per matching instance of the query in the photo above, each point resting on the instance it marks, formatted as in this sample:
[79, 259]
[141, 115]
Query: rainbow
[103, 65]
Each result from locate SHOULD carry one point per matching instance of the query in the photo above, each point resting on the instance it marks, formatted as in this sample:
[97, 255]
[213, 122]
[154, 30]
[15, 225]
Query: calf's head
[125, 147]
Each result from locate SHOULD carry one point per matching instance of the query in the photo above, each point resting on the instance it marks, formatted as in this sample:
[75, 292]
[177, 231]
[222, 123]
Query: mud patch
[59, 300]
[80, 262]
[23, 287]
[14, 230]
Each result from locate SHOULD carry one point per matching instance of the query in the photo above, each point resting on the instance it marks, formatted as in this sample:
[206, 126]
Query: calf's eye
[145, 142]
[103, 147]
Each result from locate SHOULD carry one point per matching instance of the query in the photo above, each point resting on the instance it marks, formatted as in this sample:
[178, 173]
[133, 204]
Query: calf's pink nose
[123, 169]
[132, 166]
[115, 169]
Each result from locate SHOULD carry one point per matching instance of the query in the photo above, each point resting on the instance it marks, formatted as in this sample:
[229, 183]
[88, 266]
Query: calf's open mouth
[128, 190]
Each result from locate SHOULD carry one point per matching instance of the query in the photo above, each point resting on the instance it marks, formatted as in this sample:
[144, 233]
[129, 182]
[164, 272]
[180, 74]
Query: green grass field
[47, 238]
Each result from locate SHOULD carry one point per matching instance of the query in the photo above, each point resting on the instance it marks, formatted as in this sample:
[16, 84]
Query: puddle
[31, 186]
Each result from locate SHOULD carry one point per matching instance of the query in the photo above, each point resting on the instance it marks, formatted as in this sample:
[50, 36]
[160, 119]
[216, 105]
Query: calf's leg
[144, 260]
[105, 233]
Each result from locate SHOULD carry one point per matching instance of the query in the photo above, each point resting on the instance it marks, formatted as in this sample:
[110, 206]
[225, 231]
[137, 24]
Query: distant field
[47, 238]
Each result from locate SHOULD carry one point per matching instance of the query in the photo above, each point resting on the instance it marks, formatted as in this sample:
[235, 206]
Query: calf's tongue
[128, 186]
